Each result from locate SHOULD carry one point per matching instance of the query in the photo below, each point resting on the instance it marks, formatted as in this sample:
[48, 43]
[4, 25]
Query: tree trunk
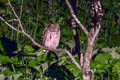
[96, 16]
[75, 32]
[86, 68]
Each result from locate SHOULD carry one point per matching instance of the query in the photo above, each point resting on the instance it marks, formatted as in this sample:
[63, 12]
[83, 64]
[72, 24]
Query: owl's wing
[45, 34]
[44, 31]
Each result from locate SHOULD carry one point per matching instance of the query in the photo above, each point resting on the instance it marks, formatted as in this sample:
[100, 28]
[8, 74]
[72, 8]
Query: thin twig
[13, 67]
[11, 20]
[73, 59]
[76, 19]
[9, 24]
[16, 15]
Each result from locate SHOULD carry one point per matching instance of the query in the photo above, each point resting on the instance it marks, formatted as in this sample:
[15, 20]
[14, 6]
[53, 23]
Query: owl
[51, 36]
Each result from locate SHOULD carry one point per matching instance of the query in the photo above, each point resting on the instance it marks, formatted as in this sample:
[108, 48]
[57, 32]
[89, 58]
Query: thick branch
[96, 32]
[97, 14]
[76, 19]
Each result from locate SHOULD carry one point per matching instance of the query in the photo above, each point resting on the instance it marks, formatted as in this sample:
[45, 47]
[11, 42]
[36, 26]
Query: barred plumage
[51, 35]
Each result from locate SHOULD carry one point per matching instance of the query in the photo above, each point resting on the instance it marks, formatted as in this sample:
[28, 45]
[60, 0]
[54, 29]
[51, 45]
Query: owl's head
[54, 27]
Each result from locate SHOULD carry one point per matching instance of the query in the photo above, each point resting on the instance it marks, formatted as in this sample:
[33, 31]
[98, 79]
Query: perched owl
[51, 35]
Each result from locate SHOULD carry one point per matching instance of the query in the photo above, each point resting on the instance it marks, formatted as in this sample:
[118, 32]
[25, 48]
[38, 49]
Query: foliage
[116, 70]
[118, 50]
[103, 64]
[28, 49]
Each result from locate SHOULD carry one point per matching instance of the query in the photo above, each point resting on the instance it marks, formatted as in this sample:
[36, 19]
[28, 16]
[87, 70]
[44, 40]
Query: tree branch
[96, 32]
[76, 19]
[16, 16]
[9, 24]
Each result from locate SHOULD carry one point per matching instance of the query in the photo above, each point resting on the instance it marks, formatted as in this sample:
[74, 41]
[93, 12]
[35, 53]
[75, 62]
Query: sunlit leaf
[28, 49]
[4, 59]
[102, 58]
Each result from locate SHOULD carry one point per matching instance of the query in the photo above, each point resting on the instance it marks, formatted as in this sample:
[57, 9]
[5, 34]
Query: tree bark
[86, 67]
[96, 16]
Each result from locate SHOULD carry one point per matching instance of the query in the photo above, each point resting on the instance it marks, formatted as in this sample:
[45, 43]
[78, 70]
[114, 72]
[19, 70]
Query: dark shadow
[36, 47]
[77, 48]
[9, 46]
[55, 54]
[2, 5]
[59, 72]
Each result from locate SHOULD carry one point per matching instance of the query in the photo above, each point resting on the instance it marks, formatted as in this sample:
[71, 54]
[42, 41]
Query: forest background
[20, 59]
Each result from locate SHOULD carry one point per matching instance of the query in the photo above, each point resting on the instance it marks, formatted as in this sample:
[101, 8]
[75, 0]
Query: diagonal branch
[96, 32]
[16, 15]
[9, 24]
[97, 14]
[76, 19]
[33, 41]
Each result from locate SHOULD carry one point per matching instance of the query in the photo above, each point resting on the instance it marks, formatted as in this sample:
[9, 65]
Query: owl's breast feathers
[51, 35]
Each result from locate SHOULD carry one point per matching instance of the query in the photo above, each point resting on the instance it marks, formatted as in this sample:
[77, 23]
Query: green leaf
[41, 70]
[70, 66]
[99, 66]
[116, 70]
[42, 57]
[4, 59]
[118, 50]
[32, 63]
[102, 58]
[8, 72]
[76, 72]
[41, 49]
[1, 46]
[15, 61]
[28, 49]
[100, 71]
[53, 19]
[100, 46]
[18, 32]
[107, 78]
[83, 38]
[60, 20]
